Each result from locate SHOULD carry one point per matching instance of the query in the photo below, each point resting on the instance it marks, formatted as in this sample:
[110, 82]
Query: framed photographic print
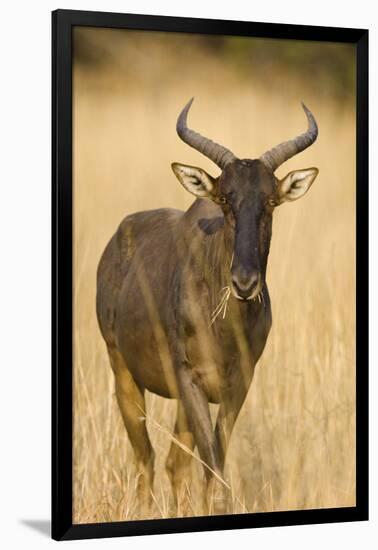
[210, 191]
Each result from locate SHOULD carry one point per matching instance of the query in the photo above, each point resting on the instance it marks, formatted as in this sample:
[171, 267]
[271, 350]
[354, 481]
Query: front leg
[226, 419]
[229, 409]
[179, 461]
[241, 376]
[197, 411]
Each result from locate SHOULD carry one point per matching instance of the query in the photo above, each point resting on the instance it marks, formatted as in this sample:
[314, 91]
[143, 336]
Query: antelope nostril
[246, 285]
[254, 282]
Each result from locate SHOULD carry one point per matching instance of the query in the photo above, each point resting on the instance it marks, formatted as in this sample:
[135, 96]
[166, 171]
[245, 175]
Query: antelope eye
[222, 199]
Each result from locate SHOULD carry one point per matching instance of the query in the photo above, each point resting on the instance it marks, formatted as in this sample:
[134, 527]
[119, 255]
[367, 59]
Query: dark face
[247, 191]
[247, 194]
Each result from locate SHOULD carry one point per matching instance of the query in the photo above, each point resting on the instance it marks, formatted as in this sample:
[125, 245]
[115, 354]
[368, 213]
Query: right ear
[195, 180]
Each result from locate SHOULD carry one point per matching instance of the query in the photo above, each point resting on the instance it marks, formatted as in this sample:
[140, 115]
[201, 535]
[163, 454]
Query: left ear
[296, 184]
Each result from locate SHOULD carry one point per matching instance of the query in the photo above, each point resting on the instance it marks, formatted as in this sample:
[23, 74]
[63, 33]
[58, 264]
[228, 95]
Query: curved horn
[282, 152]
[217, 153]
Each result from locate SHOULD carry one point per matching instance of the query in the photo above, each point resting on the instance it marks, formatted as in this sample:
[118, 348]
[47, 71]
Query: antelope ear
[296, 184]
[195, 180]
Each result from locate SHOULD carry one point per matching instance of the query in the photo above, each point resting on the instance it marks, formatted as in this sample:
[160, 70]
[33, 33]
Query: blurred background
[293, 446]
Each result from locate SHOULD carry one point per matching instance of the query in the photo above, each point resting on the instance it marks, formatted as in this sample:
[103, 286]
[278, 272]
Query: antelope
[183, 303]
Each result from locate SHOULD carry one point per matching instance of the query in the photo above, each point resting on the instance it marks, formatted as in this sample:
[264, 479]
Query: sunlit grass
[293, 446]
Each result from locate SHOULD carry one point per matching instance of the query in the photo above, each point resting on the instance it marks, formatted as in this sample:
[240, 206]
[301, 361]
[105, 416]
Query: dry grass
[293, 446]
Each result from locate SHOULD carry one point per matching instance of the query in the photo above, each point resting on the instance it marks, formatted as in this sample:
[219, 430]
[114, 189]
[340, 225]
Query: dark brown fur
[158, 282]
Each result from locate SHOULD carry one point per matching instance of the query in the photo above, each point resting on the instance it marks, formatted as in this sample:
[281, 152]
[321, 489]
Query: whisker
[222, 306]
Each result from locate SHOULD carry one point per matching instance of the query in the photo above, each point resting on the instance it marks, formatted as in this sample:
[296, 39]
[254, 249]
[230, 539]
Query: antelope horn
[282, 152]
[215, 152]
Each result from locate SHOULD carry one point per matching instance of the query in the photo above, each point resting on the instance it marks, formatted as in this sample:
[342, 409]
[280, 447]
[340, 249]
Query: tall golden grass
[293, 446]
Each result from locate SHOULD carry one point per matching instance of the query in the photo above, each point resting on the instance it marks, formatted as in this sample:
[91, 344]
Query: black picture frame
[62, 524]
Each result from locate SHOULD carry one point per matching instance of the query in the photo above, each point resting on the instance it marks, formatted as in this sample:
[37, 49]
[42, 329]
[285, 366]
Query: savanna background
[293, 446]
